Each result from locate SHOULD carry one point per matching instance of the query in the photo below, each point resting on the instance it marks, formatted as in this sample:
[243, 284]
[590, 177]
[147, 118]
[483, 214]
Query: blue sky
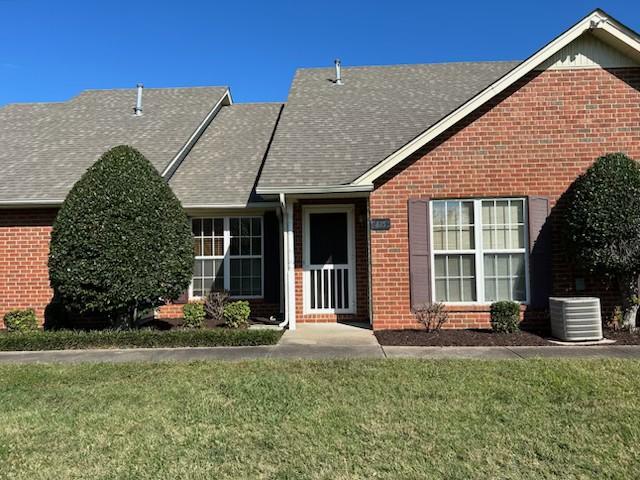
[51, 50]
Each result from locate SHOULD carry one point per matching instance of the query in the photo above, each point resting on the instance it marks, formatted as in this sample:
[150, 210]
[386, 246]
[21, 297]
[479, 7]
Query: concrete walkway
[320, 341]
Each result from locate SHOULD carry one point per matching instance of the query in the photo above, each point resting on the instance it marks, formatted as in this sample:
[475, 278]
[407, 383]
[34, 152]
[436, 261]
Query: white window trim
[226, 257]
[478, 252]
[351, 246]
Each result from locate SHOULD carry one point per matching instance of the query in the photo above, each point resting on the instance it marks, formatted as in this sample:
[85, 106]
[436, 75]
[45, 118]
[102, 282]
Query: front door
[329, 260]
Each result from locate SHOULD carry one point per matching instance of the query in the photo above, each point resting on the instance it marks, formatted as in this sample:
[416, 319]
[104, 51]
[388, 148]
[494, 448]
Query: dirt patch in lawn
[483, 338]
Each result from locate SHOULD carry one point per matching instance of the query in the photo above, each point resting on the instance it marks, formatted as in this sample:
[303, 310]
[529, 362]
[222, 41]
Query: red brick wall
[362, 263]
[24, 252]
[259, 308]
[535, 139]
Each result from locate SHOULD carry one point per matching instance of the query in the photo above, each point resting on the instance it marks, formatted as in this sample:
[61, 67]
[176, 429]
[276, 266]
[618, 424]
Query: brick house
[371, 190]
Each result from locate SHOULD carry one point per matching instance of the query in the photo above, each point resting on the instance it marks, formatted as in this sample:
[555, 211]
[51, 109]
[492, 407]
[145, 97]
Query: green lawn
[333, 420]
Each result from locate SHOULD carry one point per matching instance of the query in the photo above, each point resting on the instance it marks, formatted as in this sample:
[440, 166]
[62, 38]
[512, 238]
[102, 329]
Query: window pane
[517, 264]
[256, 246]
[245, 246]
[245, 227]
[452, 239]
[197, 268]
[455, 294]
[469, 289]
[441, 290]
[454, 265]
[501, 238]
[218, 283]
[218, 247]
[517, 211]
[234, 246]
[467, 213]
[207, 227]
[196, 227]
[489, 265]
[502, 213]
[236, 269]
[440, 266]
[453, 210]
[207, 285]
[487, 212]
[207, 270]
[256, 267]
[255, 286]
[328, 238]
[439, 213]
[519, 289]
[488, 238]
[468, 266]
[234, 227]
[503, 265]
[467, 242]
[517, 237]
[208, 247]
[197, 247]
[236, 283]
[256, 231]
[246, 267]
[218, 227]
[438, 238]
[219, 268]
[504, 289]
[197, 287]
[490, 290]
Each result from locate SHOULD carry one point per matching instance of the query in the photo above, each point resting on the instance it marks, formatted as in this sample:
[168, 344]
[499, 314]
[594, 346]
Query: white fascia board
[173, 165]
[315, 189]
[30, 203]
[596, 21]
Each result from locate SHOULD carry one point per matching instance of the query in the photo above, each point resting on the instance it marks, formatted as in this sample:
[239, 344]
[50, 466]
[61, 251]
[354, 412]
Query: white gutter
[30, 203]
[177, 160]
[315, 189]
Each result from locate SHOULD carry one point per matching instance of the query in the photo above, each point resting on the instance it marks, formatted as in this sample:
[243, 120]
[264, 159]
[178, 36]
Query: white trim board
[598, 22]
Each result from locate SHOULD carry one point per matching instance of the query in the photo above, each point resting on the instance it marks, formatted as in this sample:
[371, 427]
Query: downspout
[291, 270]
[285, 260]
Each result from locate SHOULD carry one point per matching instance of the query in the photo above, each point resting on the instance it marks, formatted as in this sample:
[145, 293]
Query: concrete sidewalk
[284, 351]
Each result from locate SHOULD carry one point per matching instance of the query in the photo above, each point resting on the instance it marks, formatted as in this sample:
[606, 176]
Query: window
[479, 250]
[227, 255]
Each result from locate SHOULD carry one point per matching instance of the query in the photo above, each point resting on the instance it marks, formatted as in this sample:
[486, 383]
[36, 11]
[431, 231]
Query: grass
[75, 339]
[322, 420]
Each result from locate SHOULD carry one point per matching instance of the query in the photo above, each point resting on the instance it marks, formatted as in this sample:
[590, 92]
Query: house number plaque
[379, 224]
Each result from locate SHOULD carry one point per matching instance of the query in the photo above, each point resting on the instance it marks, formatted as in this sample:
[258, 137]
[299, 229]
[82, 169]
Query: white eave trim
[30, 203]
[170, 169]
[315, 189]
[598, 21]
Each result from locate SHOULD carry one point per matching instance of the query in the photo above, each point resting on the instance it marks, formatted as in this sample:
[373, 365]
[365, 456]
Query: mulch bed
[482, 338]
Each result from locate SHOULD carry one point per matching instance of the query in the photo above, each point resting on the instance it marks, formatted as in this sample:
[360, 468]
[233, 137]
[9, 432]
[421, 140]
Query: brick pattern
[259, 308]
[535, 139]
[362, 263]
[24, 252]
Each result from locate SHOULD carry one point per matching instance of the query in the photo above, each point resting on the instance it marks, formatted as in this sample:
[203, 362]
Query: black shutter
[271, 258]
[540, 249]
[419, 252]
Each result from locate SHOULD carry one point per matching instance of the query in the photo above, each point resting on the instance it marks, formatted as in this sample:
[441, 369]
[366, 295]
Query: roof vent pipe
[338, 80]
[138, 108]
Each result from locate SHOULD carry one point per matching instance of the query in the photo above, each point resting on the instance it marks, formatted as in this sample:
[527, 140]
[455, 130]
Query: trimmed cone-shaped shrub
[121, 242]
[602, 224]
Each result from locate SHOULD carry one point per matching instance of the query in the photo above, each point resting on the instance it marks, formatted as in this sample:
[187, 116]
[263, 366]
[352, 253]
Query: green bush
[18, 320]
[121, 242]
[144, 338]
[602, 224]
[505, 316]
[236, 314]
[194, 314]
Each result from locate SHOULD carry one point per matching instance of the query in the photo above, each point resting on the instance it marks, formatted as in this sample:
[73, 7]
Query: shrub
[214, 304]
[121, 242]
[602, 225]
[194, 314]
[144, 338]
[236, 314]
[18, 320]
[505, 316]
[431, 315]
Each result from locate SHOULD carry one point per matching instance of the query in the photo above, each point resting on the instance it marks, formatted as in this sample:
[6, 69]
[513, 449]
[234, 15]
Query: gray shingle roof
[222, 168]
[45, 148]
[330, 134]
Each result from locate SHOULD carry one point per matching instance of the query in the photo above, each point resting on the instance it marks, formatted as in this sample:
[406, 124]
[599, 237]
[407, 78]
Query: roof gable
[597, 23]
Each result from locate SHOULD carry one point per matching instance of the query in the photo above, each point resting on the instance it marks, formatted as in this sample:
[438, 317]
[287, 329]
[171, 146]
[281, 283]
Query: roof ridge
[391, 65]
